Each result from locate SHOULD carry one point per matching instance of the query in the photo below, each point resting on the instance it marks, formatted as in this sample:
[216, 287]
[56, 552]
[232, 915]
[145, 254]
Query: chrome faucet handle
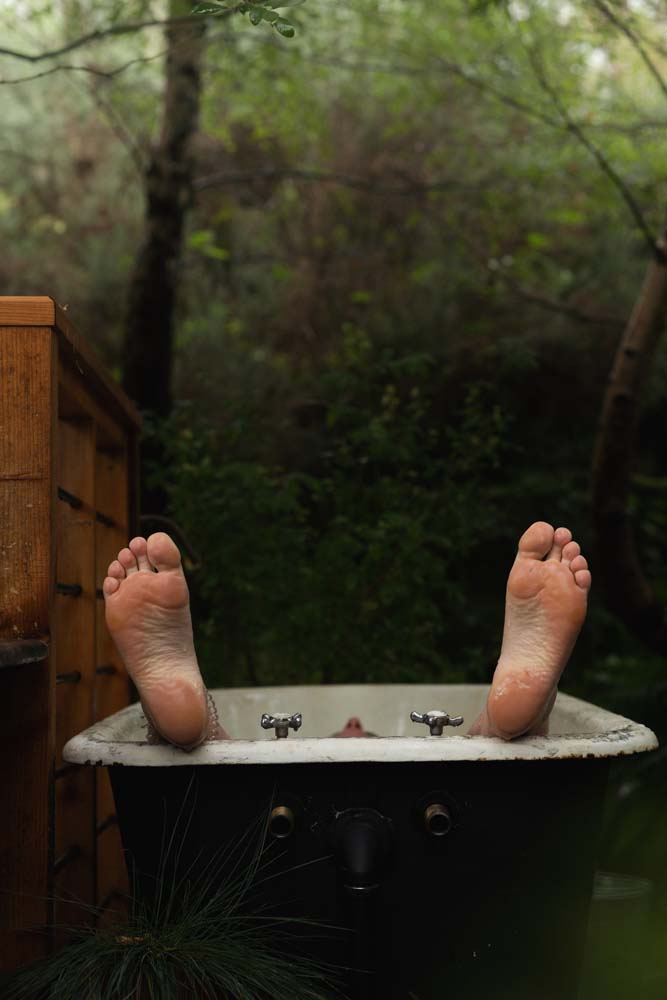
[436, 720]
[282, 723]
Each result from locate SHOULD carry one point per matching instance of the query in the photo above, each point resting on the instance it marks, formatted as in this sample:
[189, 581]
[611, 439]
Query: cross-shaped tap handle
[436, 720]
[282, 723]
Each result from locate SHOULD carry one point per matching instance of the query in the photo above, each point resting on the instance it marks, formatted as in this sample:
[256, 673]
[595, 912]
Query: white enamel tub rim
[586, 731]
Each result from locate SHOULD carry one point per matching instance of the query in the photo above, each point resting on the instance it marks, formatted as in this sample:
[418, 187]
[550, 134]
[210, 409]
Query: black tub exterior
[496, 907]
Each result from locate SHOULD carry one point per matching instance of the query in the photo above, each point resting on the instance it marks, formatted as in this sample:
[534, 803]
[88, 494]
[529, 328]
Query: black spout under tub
[451, 864]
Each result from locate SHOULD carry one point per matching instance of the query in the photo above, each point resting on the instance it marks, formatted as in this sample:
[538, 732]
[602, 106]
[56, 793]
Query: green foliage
[454, 203]
[349, 569]
[203, 935]
[266, 10]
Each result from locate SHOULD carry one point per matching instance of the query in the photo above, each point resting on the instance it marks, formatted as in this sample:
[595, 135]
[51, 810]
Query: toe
[570, 552]
[128, 561]
[110, 585]
[536, 541]
[116, 570]
[583, 579]
[139, 547]
[561, 538]
[162, 552]
[578, 563]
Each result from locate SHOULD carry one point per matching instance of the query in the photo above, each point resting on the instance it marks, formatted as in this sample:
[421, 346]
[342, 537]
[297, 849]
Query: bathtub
[440, 864]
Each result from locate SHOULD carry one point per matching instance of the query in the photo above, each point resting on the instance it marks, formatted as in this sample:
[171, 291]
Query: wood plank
[75, 351]
[74, 883]
[75, 622]
[27, 310]
[111, 492]
[74, 818]
[111, 870]
[26, 486]
[73, 474]
[112, 689]
[133, 460]
[76, 402]
[27, 418]
[112, 908]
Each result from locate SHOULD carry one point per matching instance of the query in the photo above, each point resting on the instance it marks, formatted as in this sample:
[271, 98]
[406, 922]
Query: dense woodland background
[387, 291]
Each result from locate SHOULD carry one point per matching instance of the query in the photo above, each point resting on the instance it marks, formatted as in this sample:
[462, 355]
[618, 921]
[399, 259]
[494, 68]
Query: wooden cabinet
[68, 468]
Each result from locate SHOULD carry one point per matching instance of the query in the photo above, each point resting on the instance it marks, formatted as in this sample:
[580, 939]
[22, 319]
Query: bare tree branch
[629, 128]
[112, 30]
[658, 11]
[575, 129]
[20, 154]
[529, 295]
[441, 66]
[120, 130]
[106, 74]
[556, 306]
[470, 77]
[371, 186]
[626, 30]
[368, 184]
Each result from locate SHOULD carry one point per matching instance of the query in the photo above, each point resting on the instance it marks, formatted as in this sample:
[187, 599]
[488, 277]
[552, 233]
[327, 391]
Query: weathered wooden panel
[75, 400]
[111, 488]
[27, 402]
[112, 882]
[27, 411]
[67, 504]
[75, 616]
[112, 685]
[27, 310]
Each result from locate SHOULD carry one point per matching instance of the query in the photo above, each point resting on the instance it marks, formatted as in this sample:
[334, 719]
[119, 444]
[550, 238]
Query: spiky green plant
[190, 941]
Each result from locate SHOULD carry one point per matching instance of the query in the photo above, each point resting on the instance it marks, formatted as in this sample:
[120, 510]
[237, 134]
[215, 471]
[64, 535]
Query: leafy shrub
[349, 568]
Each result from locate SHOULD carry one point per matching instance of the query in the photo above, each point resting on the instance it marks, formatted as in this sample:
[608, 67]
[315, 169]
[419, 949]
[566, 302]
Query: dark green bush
[351, 567]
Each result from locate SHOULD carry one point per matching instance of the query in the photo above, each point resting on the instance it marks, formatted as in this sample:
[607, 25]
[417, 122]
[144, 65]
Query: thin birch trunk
[616, 562]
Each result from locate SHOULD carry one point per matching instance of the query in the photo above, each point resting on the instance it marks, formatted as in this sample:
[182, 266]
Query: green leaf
[537, 240]
[210, 8]
[482, 6]
[203, 241]
[259, 13]
[285, 3]
[284, 28]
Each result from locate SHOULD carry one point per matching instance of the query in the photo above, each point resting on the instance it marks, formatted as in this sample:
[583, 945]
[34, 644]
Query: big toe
[162, 552]
[536, 541]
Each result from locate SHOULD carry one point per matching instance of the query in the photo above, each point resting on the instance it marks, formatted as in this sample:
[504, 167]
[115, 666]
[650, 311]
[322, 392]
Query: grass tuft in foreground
[190, 941]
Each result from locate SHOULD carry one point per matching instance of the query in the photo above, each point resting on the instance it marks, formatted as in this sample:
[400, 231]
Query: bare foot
[547, 591]
[148, 615]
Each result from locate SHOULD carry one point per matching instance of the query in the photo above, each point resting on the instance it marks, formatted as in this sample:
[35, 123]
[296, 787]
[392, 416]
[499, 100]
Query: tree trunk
[148, 349]
[617, 565]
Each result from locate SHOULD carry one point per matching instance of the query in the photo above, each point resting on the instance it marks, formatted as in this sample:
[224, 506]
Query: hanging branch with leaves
[266, 10]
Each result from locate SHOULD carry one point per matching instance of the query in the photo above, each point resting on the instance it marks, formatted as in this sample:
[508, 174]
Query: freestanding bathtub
[450, 864]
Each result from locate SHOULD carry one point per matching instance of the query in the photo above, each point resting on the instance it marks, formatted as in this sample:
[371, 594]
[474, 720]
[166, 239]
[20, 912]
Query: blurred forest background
[387, 280]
